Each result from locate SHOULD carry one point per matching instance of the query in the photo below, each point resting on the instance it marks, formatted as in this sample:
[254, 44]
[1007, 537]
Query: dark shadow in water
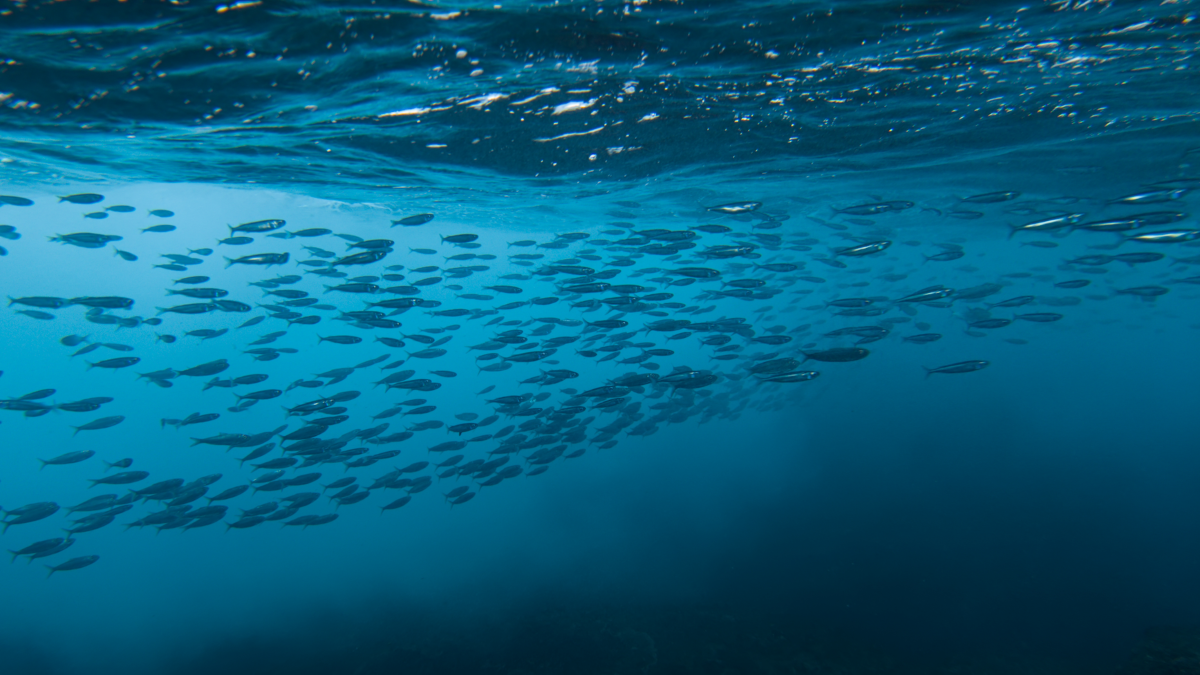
[20, 658]
[608, 640]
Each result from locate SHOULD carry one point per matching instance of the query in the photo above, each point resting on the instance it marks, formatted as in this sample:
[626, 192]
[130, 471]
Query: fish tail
[228, 261]
[51, 573]
[14, 556]
[928, 372]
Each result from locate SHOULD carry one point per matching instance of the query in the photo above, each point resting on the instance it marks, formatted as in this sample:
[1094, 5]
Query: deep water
[1034, 515]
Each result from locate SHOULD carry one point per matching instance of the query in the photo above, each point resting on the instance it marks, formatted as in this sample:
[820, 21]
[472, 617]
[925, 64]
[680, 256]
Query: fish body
[961, 367]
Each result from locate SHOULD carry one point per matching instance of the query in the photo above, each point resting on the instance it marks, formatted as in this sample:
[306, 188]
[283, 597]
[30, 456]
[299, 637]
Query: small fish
[945, 256]
[1047, 224]
[412, 221]
[259, 226]
[82, 198]
[267, 259]
[961, 367]
[68, 458]
[876, 208]
[1151, 197]
[991, 197]
[838, 355]
[72, 564]
[102, 423]
[1144, 291]
[736, 207]
[1166, 236]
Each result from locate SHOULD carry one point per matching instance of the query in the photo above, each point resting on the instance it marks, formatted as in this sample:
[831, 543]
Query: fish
[82, 198]
[46, 546]
[413, 220]
[961, 367]
[992, 197]
[29, 513]
[1166, 236]
[1048, 224]
[86, 239]
[73, 564]
[875, 208]
[98, 424]
[68, 458]
[122, 478]
[259, 226]
[735, 207]
[264, 259]
[1158, 196]
[838, 355]
[865, 249]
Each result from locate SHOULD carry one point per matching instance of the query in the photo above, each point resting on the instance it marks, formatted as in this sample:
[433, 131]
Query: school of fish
[642, 302]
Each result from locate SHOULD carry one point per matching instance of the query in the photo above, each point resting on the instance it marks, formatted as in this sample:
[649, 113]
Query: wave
[339, 97]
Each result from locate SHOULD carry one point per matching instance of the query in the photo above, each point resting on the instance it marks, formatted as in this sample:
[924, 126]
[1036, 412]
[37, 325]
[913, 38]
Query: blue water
[1036, 513]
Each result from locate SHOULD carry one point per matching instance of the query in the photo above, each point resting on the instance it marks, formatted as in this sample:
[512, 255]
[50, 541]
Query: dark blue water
[1031, 511]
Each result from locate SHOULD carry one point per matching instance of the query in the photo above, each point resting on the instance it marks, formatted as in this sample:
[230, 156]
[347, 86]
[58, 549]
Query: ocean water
[705, 238]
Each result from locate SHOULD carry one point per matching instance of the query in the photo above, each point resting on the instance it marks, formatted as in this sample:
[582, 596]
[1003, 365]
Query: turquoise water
[850, 336]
